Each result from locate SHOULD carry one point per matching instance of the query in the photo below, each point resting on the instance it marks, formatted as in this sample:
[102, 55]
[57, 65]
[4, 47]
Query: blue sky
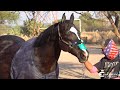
[59, 16]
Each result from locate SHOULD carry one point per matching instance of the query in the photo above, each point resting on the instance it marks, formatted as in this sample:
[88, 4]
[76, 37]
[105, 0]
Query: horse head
[70, 40]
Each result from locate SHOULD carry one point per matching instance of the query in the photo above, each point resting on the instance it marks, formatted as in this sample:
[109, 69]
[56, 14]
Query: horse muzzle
[83, 56]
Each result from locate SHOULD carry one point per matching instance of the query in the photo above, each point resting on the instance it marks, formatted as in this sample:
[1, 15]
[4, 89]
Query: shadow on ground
[72, 71]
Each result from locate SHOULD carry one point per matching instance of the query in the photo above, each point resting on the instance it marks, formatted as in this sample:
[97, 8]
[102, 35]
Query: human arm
[91, 68]
[117, 77]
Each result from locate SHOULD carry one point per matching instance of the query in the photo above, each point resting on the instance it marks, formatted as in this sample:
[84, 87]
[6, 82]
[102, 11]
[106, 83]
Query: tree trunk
[114, 24]
[116, 20]
[34, 19]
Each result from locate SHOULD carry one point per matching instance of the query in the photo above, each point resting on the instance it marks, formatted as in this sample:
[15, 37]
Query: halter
[81, 45]
[60, 38]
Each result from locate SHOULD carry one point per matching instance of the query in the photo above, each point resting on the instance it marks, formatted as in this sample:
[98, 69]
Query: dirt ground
[71, 68]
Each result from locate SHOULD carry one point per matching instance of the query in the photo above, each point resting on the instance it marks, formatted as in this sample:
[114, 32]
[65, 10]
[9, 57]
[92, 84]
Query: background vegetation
[93, 25]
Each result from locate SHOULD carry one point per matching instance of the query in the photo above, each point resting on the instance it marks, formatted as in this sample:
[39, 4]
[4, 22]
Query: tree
[34, 23]
[8, 17]
[29, 28]
[90, 23]
[114, 23]
[113, 17]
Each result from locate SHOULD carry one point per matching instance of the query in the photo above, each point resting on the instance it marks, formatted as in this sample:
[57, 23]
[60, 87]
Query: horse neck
[50, 34]
[53, 42]
[47, 50]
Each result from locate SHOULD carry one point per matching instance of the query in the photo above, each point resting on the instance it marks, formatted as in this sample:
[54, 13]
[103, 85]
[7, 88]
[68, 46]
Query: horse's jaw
[83, 56]
[80, 54]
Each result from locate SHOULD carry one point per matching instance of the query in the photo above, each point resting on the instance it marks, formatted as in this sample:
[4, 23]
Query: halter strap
[81, 46]
[60, 38]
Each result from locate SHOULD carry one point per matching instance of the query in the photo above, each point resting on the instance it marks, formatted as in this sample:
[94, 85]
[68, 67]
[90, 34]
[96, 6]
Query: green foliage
[31, 27]
[8, 16]
[91, 24]
[15, 30]
[3, 29]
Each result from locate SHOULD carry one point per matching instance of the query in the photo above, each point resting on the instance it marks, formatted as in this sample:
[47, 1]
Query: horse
[9, 45]
[38, 57]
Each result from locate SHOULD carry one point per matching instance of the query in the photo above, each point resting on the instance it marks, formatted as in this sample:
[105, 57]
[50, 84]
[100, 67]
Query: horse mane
[48, 34]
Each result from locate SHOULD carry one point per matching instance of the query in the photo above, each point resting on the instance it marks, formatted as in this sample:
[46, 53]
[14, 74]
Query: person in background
[109, 66]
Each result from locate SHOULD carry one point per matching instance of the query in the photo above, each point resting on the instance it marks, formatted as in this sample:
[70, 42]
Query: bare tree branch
[78, 13]
[109, 16]
[116, 19]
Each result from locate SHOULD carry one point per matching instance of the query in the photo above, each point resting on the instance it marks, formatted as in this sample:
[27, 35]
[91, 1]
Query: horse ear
[63, 18]
[72, 18]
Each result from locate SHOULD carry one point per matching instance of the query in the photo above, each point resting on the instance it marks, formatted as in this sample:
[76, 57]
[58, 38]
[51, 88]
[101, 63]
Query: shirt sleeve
[100, 64]
[94, 70]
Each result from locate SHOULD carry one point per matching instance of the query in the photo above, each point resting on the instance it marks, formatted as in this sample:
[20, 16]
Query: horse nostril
[83, 56]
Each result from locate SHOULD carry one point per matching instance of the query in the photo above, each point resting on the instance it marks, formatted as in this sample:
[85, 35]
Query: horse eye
[80, 41]
[75, 42]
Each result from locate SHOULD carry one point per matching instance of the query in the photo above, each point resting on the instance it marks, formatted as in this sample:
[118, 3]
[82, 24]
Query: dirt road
[70, 68]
